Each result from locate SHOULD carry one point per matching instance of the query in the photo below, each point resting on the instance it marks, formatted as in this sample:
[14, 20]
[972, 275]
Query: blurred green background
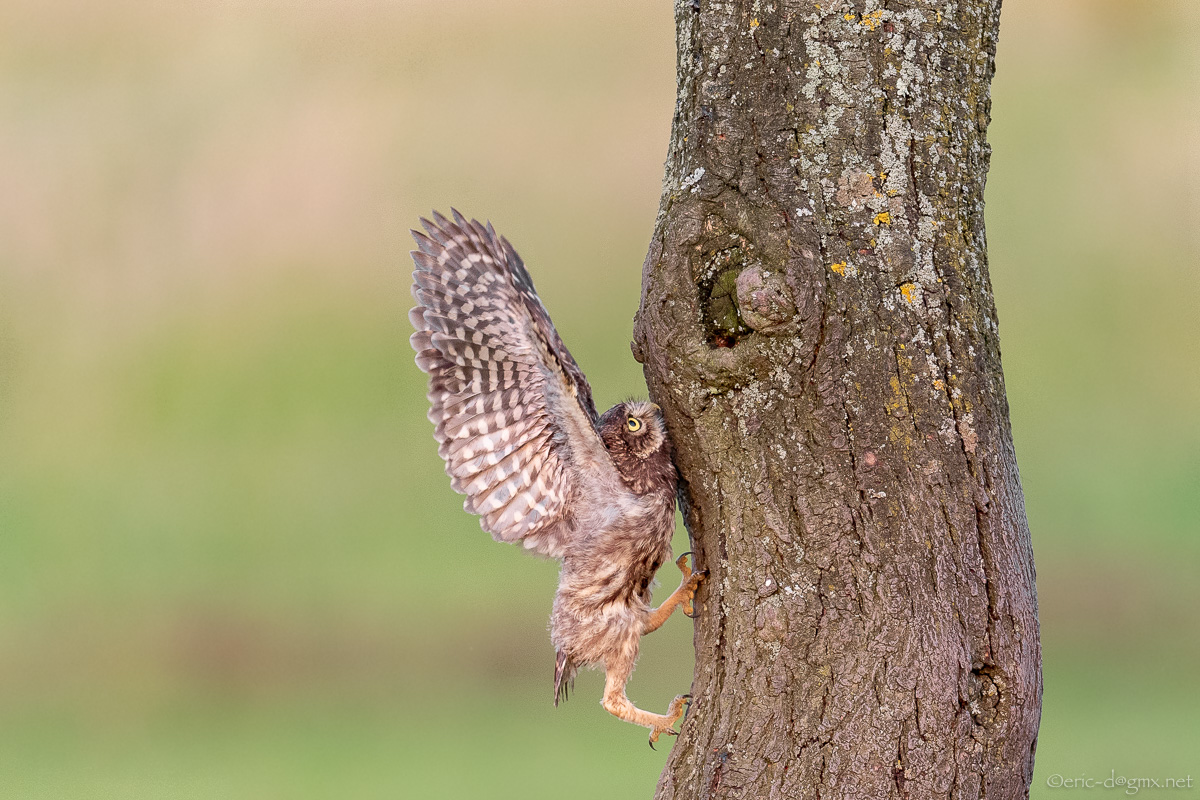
[230, 564]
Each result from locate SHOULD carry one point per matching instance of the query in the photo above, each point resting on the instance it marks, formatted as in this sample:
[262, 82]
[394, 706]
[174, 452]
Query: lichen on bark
[818, 326]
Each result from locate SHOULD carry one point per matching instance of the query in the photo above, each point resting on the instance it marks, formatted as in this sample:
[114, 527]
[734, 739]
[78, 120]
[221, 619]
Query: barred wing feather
[512, 411]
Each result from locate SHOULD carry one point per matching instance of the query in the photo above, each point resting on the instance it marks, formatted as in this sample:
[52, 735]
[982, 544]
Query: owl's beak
[656, 407]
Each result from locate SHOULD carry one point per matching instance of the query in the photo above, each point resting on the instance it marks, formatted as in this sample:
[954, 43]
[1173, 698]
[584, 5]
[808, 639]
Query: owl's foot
[687, 587]
[678, 709]
[681, 597]
[620, 707]
[617, 670]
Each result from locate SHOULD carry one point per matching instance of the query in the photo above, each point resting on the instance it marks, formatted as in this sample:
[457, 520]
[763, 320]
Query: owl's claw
[654, 737]
[689, 609]
[678, 710]
[691, 581]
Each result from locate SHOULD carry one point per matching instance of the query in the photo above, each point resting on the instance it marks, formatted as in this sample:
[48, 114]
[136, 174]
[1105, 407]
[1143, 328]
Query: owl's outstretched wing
[513, 412]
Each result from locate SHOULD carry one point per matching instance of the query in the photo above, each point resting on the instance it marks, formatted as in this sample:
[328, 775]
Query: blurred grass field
[230, 564]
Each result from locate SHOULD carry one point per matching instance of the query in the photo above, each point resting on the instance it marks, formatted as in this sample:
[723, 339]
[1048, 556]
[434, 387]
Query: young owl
[516, 426]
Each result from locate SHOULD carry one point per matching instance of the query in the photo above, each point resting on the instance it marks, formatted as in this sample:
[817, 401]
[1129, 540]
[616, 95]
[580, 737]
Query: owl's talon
[691, 582]
[655, 734]
[677, 711]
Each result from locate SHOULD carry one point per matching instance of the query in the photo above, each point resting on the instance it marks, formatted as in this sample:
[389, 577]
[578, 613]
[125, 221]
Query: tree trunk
[818, 326]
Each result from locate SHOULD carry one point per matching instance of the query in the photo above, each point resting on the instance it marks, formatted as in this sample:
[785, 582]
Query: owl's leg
[616, 675]
[680, 597]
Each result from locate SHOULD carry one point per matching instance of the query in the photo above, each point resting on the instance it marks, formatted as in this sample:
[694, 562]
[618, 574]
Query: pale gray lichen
[691, 181]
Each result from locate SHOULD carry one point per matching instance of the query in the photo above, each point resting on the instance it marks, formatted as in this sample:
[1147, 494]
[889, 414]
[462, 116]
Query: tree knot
[764, 299]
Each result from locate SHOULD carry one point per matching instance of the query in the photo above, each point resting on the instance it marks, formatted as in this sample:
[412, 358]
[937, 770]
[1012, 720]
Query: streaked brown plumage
[515, 423]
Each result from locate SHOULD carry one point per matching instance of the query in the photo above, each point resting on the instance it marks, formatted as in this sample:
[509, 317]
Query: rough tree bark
[818, 325]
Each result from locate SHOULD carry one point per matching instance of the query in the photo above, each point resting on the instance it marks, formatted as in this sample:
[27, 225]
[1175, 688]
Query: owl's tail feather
[564, 677]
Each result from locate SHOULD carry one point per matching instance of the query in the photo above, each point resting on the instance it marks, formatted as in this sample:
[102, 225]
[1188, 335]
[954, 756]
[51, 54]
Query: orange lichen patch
[909, 292]
[839, 268]
[883, 218]
[849, 17]
[898, 436]
[939, 384]
[871, 21]
[905, 365]
[897, 406]
[754, 22]
[895, 403]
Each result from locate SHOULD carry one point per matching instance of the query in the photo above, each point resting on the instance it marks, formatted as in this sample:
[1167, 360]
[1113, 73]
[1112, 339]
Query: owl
[515, 423]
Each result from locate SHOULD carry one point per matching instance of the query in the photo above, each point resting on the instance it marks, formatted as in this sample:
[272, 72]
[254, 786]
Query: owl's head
[636, 438]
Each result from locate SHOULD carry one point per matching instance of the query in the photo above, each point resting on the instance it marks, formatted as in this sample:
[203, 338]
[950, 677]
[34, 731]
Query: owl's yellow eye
[633, 424]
